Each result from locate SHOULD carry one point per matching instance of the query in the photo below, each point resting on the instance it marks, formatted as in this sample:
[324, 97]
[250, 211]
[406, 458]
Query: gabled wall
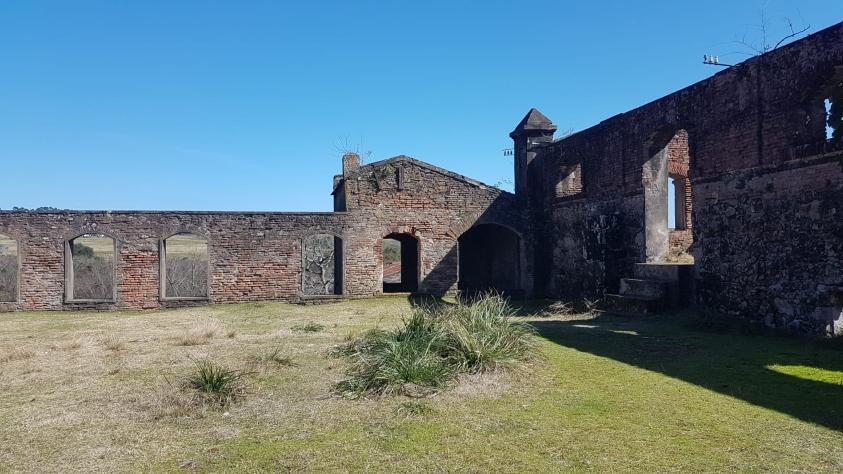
[405, 196]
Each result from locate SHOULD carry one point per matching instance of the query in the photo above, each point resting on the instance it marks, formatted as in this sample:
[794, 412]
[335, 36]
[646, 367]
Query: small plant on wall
[378, 176]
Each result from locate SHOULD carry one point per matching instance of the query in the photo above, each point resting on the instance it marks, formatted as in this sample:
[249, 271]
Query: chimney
[534, 129]
[350, 163]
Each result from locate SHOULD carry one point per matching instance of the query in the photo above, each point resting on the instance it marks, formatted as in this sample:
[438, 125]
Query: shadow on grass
[799, 377]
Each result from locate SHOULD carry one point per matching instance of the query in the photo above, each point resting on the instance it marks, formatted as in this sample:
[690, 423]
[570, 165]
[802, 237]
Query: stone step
[667, 272]
[629, 305]
[318, 299]
[639, 287]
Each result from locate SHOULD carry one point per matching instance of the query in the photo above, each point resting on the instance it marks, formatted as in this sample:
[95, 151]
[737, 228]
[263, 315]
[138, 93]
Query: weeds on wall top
[385, 172]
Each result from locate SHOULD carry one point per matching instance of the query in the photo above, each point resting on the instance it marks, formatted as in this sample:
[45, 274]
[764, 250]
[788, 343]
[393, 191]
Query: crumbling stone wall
[253, 256]
[766, 188]
[272, 256]
[405, 196]
[765, 181]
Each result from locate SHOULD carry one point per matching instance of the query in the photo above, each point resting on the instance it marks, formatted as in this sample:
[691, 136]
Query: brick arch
[457, 229]
[401, 229]
[186, 229]
[100, 233]
[412, 257]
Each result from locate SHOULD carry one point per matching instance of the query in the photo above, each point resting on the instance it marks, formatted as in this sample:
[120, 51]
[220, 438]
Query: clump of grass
[309, 327]
[231, 334]
[484, 336]
[189, 339]
[413, 408]
[197, 336]
[274, 356]
[433, 345]
[73, 345]
[112, 342]
[407, 360]
[558, 308]
[16, 354]
[215, 384]
[169, 401]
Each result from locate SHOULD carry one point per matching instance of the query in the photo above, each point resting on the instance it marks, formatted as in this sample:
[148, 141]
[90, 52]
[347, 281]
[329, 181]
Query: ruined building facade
[754, 153]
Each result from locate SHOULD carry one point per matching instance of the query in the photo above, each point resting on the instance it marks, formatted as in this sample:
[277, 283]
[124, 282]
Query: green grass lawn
[89, 391]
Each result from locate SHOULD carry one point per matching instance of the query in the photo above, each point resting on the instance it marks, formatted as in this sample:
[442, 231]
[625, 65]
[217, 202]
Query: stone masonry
[756, 158]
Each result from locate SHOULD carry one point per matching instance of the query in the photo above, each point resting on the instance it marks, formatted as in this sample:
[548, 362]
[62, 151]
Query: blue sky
[247, 105]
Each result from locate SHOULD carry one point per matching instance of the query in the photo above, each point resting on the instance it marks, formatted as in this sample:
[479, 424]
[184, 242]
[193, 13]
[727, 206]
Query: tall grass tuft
[407, 360]
[484, 335]
[434, 344]
[215, 384]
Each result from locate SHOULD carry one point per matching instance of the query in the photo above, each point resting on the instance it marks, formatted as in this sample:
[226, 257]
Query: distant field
[92, 391]
[186, 245]
[176, 246]
[8, 246]
[102, 246]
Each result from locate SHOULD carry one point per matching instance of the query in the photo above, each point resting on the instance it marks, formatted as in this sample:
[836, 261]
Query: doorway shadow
[798, 377]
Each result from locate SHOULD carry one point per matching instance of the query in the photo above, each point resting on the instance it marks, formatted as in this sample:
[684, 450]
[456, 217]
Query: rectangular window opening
[90, 269]
[829, 130]
[8, 270]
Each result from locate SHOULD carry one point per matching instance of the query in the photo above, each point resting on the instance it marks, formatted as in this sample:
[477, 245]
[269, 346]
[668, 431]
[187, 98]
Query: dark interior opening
[490, 260]
[401, 272]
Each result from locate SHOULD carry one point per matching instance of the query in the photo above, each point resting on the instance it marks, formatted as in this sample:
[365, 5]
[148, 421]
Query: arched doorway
[400, 263]
[490, 260]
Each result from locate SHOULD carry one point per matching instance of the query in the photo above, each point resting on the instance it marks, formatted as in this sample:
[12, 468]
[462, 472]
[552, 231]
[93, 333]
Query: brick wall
[405, 196]
[765, 188]
[253, 256]
[258, 256]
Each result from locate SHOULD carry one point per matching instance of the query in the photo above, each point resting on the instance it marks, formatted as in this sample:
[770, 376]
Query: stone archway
[490, 260]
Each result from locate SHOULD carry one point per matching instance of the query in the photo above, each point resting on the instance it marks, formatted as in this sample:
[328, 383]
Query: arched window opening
[184, 267]
[490, 260]
[89, 268]
[322, 265]
[8, 269]
[400, 263]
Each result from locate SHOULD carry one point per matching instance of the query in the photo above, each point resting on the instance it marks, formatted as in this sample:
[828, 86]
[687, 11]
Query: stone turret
[533, 130]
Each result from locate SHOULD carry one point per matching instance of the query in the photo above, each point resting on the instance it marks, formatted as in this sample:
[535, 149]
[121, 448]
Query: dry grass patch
[17, 353]
[112, 342]
[73, 345]
[198, 335]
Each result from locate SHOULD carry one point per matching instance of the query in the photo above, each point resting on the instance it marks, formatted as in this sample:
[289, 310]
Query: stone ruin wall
[253, 256]
[260, 256]
[767, 189]
[433, 205]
